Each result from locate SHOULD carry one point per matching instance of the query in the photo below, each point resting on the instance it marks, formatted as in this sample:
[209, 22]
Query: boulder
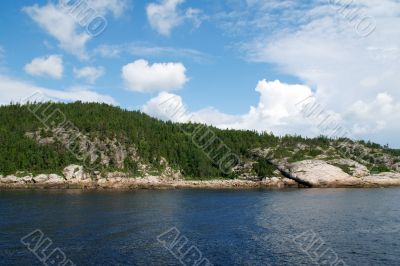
[316, 173]
[55, 180]
[40, 178]
[74, 172]
[27, 179]
[10, 179]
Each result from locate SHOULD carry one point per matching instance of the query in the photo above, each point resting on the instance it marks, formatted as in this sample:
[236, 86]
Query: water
[246, 227]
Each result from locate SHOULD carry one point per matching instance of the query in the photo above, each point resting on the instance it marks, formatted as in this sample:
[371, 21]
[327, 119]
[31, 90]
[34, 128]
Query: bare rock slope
[318, 173]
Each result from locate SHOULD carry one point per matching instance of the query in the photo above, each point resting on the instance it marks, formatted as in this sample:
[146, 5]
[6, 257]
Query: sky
[282, 66]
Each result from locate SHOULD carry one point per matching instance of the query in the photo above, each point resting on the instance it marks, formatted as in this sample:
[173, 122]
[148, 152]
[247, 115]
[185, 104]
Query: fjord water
[241, 227]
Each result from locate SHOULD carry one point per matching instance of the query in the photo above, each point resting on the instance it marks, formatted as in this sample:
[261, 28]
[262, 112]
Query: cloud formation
[48, 66]
[347, 51]
[291, 109]
[140, 76]
[66, 24]
[164, 15]
[277, 111]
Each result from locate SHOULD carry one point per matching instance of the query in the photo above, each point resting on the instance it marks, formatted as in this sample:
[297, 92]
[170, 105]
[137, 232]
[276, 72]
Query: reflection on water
[251, 227]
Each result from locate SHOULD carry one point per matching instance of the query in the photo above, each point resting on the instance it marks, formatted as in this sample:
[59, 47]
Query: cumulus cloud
[347, 51]
[91, 74]
[141, 76]
[67, 26]
[375, 115]
[13, 90]
[164, 15]
[48, 66]
[167, 106]
[292, 109]
[278, 110]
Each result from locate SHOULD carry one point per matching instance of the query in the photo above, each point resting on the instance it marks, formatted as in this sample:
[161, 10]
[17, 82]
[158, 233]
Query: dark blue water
[260, 227]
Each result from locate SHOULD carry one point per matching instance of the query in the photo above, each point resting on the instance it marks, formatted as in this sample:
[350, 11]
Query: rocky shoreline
[311, 173]
[74, 177]
[145, 183]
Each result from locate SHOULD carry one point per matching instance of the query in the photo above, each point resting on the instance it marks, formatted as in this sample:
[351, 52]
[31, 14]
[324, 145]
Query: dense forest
[198, 151]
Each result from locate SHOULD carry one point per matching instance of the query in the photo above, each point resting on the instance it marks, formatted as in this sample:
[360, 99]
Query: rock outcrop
[382, 179]
[356, 169]
[318, 173]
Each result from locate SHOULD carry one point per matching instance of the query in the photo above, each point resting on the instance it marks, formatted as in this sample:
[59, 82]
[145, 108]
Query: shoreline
[306, 174]
[143, 183]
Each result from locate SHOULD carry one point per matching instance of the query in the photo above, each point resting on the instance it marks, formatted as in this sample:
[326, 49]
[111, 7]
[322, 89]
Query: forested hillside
[44, 138]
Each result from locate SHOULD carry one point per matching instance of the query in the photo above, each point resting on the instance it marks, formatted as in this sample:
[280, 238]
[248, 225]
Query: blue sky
[218, 70]
[242, 64]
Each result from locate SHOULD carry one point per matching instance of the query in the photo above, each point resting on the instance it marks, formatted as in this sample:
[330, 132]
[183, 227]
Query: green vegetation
[380, 169]
[345, 168]
[193, 149]
[264, 168]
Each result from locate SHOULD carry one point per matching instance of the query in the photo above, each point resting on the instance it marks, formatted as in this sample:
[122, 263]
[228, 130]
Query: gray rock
[40, 178]
[74, 172]
[27, 179]
[55, 180]
[383, 179]
[357, 169]
[318, 173]
[10, 179]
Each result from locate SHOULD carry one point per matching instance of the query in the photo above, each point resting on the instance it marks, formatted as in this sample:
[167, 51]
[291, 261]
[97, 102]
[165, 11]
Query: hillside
[46, 138]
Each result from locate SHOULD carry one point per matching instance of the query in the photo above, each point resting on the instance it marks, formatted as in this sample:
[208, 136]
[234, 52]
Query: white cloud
[91, 74]
[47, 66]
[326, 48]
[13, 90]
[62, 26]
[280, 110]
[277, 111]
[67, 26]
[374, 116]
[167, 106]
[140, 76]
[164, 15]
